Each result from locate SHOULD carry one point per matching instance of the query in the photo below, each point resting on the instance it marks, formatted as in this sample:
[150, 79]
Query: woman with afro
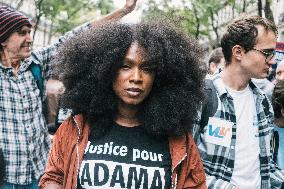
[134, 92]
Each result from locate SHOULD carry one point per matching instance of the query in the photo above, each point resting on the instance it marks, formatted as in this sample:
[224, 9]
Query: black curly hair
[87, 64]
[243, 31]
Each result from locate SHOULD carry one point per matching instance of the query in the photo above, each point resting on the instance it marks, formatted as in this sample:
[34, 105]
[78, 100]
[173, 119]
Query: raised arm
[43, 56]
[117, 14]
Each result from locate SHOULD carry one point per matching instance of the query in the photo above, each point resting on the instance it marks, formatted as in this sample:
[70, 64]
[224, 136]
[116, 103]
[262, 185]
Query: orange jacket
[68, 148]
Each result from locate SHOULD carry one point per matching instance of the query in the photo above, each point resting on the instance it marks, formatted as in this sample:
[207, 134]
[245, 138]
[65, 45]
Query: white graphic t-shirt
[126, 158]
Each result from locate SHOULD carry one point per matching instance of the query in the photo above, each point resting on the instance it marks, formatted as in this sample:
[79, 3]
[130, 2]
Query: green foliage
[66, 14]
[193, 17]
[200, 18]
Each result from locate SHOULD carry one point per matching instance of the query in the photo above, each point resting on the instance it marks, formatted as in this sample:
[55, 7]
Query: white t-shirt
[246, 174]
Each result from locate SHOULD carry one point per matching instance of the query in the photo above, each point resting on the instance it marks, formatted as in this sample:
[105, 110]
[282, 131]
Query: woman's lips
[134, 92]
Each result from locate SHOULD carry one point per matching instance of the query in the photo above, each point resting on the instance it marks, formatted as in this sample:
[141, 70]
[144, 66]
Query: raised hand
[130, 5]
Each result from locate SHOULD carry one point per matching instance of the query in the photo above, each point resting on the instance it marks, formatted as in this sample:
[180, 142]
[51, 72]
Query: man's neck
[234, 78]
[9, 62]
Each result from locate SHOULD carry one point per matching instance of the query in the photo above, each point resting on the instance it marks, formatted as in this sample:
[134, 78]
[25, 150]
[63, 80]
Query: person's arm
[117, 14]
[214, 183]
[43, 56]
[196, 178]
[52, 186]
[54, 175]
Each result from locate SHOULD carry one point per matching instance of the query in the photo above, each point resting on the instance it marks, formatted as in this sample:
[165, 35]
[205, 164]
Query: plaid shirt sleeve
[213, 183]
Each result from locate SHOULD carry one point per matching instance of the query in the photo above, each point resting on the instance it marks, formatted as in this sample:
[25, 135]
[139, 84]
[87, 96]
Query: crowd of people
[144, 114]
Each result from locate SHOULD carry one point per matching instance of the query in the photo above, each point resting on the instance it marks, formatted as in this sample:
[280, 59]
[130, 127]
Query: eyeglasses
[268, 55]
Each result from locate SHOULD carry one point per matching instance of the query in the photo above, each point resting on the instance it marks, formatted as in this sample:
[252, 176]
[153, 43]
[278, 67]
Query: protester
[280, 70]
[54, 89]
[278, 107]
[24, 138]
[131, 123]
[216, 61]
[235, 143]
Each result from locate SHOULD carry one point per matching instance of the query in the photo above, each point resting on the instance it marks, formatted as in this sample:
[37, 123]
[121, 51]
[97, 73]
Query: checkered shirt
[24, 137]
[218, 160]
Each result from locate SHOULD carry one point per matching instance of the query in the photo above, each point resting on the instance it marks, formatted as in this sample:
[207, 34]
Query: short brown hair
[243, 32]
[216, 56]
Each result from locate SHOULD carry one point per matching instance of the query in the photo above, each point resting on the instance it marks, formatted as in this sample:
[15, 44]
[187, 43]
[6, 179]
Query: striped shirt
[219, 160]
[24, 136]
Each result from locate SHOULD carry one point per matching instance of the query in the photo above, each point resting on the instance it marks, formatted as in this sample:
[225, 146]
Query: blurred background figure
[278, 107]
[265, 85]
[280, 71]
[216, 62]
[54, 88]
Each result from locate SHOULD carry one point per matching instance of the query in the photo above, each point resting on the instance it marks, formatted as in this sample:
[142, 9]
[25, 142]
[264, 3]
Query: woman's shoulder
[72, 126]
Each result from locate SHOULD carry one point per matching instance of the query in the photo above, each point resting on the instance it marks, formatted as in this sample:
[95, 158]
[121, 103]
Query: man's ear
[282, 112]
[237, 52]
[3, 44]
[212, 67]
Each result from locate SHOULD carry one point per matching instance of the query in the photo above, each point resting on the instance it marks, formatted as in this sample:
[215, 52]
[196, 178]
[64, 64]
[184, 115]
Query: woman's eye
[148, 69]
[125, 67]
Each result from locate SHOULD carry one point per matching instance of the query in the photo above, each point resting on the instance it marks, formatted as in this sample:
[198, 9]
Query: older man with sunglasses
[235, 143]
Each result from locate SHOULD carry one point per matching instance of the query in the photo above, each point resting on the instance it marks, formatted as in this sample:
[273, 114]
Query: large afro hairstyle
[87, 65]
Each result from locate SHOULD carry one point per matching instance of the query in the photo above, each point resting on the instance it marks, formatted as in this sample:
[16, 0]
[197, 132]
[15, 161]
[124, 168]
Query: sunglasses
[268, 55]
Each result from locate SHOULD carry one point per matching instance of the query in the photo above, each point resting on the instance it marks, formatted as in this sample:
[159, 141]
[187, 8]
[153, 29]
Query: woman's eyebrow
[128, 60]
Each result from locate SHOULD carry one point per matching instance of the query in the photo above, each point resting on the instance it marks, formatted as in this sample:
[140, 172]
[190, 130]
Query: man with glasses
[235, 143]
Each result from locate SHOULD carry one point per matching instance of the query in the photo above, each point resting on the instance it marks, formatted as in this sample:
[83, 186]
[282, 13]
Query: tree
[197, 17]
[267, 11]
[200, 18]
[259, 7]
[66, 14]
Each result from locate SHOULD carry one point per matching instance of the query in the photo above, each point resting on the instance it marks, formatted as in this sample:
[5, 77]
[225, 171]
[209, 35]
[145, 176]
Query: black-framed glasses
[268, 55]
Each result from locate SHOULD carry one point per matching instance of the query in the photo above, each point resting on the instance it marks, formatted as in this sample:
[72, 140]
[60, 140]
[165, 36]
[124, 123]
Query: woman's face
[135, 77]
